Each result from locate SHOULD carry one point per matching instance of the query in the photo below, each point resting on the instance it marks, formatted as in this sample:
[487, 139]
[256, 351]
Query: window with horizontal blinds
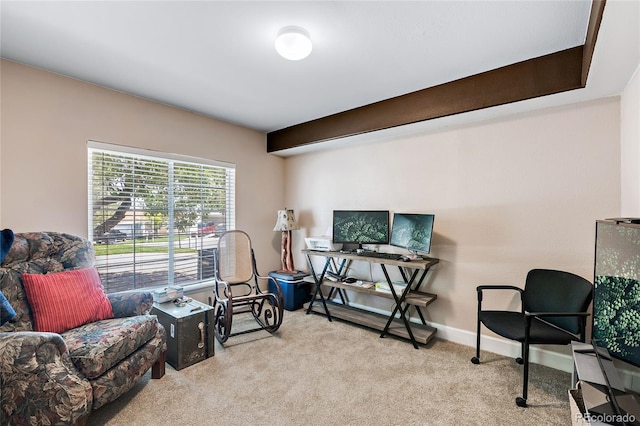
[155, 218]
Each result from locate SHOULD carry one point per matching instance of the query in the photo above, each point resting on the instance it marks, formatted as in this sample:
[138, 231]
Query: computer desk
[413, 274]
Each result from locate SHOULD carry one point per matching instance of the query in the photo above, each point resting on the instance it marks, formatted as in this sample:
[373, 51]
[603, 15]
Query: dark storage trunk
[189, 329]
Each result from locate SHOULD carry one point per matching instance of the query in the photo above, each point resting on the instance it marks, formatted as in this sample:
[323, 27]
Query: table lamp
[286, 223]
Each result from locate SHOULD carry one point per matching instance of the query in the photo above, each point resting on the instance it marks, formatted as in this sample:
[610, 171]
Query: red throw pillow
[61, 301]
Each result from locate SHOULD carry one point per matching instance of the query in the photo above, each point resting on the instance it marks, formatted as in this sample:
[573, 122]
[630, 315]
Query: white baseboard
[563, 362]
[496, 345]
[505, 347]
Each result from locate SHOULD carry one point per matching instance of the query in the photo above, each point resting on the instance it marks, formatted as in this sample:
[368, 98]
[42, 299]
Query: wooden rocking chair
[237, 288]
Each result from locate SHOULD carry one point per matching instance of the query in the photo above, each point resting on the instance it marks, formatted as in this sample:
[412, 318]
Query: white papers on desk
[384, 286]
[364, 284]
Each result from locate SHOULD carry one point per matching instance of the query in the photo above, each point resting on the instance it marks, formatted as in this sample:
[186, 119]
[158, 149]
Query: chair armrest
[499, 287]
[529, 316]
[557, 314]
[131, 303]
[18, 348]
[223, 286]
[481, 288]
[39, 381]
[268, 278]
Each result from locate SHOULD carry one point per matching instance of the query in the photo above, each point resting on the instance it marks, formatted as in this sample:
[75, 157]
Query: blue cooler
[295, 291]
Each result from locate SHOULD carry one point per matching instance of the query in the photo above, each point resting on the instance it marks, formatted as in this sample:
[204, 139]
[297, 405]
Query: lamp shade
[293, 43]
[286, 221]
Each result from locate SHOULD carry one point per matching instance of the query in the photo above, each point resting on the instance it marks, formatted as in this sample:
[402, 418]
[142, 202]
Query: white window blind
[154, 218]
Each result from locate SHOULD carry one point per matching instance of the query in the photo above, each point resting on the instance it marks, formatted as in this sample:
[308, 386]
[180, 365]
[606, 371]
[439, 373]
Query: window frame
[171, 160]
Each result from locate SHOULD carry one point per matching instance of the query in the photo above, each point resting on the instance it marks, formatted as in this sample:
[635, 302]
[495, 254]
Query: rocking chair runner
[237, 288]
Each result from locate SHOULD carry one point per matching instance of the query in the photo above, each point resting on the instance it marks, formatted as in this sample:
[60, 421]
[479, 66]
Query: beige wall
[509, 195]
[630, 143]
[47, 120]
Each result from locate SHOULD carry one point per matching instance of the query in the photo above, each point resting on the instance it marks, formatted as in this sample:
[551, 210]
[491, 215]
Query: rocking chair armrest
[223, 283]
[268, 278]
[219, 281]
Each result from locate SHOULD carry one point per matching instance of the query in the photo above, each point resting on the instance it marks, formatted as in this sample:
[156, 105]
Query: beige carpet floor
[317, 372]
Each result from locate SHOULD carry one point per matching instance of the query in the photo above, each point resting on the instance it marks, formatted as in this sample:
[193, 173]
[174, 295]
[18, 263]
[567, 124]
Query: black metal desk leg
[398, 308]
[318, 290]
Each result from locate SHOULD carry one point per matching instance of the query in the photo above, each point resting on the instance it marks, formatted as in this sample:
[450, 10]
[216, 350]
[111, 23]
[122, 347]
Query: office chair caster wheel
[521, 402]
[519, 360]
[475, 360]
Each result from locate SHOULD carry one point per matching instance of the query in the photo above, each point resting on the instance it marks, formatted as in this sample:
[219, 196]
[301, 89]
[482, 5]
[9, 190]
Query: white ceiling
[217, 57]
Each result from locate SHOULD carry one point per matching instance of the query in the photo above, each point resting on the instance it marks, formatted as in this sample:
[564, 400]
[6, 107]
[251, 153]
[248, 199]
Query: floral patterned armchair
[58, 378]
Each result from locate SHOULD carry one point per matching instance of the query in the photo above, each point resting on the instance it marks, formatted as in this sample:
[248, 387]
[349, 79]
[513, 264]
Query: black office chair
[553, 311]
[237, 288]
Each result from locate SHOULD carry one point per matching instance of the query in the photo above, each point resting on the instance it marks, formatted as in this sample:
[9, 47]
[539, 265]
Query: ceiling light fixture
[293, 43]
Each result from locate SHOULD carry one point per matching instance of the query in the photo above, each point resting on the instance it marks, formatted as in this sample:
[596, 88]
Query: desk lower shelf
[422, 333]
[416, 298]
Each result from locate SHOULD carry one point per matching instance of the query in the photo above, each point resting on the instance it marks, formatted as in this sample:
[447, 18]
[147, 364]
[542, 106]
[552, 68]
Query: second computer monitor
[412, 231]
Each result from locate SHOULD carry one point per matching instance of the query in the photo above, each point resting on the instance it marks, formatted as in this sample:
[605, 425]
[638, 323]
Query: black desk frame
[336, 263]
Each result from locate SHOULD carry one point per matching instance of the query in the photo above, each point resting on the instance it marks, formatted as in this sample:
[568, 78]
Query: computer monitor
[361, 227]
[412, 232]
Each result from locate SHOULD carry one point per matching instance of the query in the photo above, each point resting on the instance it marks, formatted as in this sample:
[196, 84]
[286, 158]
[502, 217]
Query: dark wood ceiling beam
[597, 10]
[546, 75]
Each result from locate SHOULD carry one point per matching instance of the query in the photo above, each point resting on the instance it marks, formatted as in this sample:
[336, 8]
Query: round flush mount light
[293, 43]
